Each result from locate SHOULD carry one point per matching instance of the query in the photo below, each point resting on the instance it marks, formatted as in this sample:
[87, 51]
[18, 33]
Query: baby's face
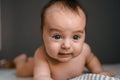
[64, 34]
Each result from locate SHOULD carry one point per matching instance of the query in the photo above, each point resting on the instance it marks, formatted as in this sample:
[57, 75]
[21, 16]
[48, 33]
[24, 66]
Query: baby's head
[69, 5]
[63, 26]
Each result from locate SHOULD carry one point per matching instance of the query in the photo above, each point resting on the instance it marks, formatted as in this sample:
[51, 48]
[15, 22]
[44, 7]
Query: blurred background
[20, 28]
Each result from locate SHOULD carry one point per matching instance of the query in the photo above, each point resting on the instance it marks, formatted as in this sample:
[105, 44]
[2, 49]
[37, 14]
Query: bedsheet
[10, 74]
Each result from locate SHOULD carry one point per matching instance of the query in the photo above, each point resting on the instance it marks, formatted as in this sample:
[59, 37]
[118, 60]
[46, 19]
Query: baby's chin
[64, 59]
[61, 58]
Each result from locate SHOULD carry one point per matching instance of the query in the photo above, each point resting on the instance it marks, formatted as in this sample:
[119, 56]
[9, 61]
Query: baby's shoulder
[40, 51]
[86, 47]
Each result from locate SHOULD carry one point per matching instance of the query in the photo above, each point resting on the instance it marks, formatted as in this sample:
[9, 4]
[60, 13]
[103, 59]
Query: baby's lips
[65, 53]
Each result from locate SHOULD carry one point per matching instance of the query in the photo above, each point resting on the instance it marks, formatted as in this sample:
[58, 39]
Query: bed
[9, 74]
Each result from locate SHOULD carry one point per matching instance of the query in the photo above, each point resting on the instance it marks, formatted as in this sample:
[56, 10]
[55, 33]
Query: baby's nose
[66, 44]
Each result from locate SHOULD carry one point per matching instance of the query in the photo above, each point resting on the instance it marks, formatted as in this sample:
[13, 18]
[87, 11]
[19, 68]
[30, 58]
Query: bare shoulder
[88, 52]
[39, 52]
[41, 67]
[86, 48]
[39, 49]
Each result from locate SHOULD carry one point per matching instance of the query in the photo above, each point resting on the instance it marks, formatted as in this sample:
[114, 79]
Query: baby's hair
[73, 5]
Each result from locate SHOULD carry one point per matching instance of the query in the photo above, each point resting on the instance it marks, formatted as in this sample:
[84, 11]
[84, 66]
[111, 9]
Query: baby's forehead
[58, 7]
[55, 7]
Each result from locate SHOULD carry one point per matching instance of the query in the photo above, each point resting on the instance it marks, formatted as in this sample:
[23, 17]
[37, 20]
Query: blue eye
[76, 37]
[57, 36]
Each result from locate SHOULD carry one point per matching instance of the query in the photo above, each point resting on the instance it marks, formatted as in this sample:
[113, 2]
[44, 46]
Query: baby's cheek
[77, 49]
[53, 48]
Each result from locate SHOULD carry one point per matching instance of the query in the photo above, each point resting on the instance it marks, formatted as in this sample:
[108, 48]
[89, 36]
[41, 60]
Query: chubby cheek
[52, 48]
[78, 46]
[77, 49]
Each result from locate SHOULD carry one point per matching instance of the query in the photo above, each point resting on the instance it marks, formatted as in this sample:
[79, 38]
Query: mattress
[10, 74]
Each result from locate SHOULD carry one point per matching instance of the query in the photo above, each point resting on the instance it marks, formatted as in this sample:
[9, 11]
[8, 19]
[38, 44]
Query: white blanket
[10, 74]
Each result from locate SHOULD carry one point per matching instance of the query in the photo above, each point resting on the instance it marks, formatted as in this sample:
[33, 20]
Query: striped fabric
[94, 77]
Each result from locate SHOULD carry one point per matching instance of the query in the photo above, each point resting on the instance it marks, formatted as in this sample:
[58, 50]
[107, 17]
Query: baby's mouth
[64, 54]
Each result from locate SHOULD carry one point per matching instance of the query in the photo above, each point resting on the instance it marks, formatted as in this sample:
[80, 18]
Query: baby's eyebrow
[52, 29]
[79, 31]
[57, 30]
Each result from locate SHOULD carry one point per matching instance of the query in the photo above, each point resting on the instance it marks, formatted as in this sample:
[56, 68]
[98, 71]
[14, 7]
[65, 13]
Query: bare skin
[67, 70]
[24, 66]
[64, 53]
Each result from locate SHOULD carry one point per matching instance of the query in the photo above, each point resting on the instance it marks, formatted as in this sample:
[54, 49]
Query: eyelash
[74, 37]
[57, 36]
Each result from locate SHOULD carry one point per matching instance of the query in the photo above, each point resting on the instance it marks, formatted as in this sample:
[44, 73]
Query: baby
[64, 53]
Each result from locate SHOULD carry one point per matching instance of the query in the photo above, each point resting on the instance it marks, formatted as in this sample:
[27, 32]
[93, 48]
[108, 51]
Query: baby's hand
[108, 74]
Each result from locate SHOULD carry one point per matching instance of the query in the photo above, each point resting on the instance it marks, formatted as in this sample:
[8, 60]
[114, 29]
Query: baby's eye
[57, 36]
[76, 37]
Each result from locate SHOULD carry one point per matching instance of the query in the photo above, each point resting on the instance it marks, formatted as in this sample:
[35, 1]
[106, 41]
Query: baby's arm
[94, 65]
[41, 68]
